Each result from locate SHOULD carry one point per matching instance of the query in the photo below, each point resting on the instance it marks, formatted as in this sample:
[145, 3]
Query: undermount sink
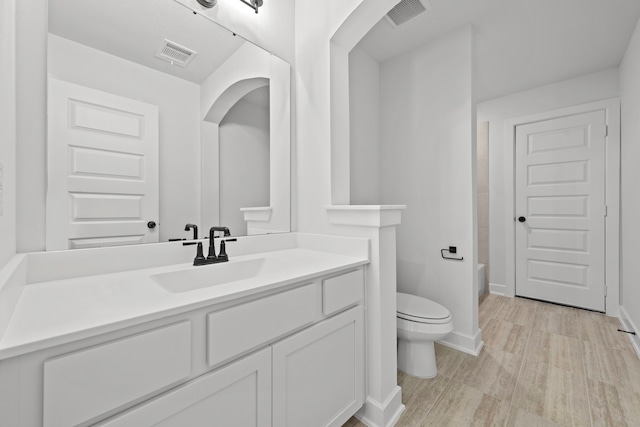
[216, 274]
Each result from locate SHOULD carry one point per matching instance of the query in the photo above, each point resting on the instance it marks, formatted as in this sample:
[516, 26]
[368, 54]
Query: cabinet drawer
[237, 395]
[342, 291]
[83, 385]
[241, 328]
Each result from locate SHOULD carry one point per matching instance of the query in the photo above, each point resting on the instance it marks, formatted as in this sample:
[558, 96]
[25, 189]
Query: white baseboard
[630, 326]
[497, 289]
[387, 414]
[464, 343]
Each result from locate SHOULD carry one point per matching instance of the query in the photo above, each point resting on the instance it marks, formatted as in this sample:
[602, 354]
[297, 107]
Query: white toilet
[420, 322]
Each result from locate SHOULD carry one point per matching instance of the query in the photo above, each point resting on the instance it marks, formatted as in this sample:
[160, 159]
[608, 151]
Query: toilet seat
[421, 310]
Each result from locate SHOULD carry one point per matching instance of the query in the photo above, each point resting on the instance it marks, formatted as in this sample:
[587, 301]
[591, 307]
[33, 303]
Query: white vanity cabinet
[289, 356]
[236, 330]
[318, 374]
[89, 382]
[236, 395]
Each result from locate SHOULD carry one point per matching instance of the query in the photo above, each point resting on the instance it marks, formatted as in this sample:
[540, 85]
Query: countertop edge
[53, 341]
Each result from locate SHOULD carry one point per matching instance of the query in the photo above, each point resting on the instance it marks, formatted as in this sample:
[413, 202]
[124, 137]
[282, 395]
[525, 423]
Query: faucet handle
[222, 256]
[199, 259]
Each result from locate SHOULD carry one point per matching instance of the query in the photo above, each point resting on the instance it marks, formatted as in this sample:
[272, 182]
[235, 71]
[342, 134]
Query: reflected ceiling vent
[175, 54]
[406, 10]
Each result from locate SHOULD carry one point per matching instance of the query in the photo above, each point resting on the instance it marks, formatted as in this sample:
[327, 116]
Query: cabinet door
[237, 395]
[318, 374]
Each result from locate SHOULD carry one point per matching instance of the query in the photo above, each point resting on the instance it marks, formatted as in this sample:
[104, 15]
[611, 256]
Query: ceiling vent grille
[175, 54]
[406, 10]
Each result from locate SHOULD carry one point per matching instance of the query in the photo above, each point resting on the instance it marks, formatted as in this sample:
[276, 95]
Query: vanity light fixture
[208, 3]
[253, 4]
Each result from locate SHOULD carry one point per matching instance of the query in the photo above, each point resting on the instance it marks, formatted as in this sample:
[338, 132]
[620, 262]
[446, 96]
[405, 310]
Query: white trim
[365, 215]
[497, 289]
[387, 414]
[257, 214]
[465, 343]
[628, 324]
[612, 191]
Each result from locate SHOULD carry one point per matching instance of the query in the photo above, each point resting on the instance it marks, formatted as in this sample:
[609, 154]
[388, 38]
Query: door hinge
[605, 290]
[606, 210]
[606, 130]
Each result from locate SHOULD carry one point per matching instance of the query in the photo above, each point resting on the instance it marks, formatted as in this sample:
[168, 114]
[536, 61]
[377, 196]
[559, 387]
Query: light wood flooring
[541, 365]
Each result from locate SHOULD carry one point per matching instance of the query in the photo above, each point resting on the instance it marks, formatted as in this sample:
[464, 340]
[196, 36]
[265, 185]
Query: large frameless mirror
[157, 118]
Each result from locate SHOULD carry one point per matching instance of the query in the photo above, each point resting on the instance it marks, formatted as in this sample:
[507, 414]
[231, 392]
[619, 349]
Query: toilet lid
[416, 308]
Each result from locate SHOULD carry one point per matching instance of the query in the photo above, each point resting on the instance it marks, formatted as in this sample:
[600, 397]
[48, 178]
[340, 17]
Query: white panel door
[318, 374]
[102, 168]
[560, 210]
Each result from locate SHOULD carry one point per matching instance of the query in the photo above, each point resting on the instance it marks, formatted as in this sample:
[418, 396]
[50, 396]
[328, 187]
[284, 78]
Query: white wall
[427, 139]
[315, 24]
[31, 83]
[7, 132]
[630, 209]
[364, 110]
[579, 90]
[244, 163]
[246, 63]
[179, 108]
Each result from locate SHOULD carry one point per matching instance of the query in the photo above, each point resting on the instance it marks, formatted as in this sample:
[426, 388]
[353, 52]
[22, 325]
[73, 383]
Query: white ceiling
[520, 44]
[134, 30]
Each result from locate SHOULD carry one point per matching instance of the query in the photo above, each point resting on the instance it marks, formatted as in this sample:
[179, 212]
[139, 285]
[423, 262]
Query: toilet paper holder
[451, 250]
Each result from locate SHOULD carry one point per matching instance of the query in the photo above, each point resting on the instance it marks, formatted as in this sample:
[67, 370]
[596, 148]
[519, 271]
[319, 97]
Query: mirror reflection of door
[102, 168]
[102, 46]
[244, 158]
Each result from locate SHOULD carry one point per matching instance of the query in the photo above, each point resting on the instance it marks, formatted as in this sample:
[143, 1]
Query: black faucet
[212, 250]
[213, 229]
[195, 230]
[211, 256]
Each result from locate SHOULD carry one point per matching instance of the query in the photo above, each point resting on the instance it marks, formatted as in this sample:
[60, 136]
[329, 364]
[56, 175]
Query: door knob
[522, 219]
[151, 224]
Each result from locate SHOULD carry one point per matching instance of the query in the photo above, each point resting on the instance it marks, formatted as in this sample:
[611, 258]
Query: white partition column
[383, 404]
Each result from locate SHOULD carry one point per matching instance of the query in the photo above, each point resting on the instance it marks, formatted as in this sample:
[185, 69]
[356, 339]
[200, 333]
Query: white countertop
[55, 312]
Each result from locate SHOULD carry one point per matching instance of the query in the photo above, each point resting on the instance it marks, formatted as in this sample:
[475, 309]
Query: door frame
[611, 108]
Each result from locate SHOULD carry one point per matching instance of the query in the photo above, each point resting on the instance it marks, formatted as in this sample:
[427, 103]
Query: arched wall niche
[231, 96]
[361, 20]
[249, 68]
